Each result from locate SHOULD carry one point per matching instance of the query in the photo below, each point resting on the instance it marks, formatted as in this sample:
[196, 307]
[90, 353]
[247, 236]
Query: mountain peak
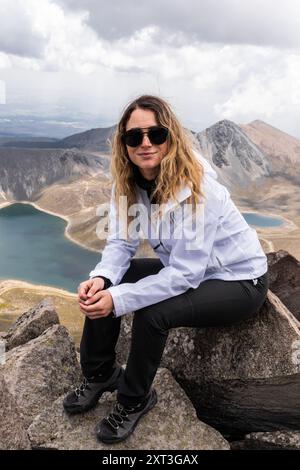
[225, 123]
[258, 122]
[263, 127]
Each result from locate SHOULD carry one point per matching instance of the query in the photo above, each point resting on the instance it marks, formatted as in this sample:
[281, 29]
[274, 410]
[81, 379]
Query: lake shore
[287, 226]
[56, 214]
[8, 284]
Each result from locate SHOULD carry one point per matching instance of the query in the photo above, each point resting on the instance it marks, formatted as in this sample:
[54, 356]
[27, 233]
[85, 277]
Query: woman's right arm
[118, 251]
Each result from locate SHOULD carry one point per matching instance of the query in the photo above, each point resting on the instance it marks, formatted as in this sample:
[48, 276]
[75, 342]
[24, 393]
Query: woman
[212, 273]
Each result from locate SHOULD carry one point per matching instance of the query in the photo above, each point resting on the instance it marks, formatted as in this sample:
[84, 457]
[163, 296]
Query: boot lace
[82, 387]
[117, 416]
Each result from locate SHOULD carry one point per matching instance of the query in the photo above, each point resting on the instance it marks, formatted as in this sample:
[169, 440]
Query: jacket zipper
[160, 241]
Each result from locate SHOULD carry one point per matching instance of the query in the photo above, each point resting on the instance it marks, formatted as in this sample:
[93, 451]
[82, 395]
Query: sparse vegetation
[15, 301]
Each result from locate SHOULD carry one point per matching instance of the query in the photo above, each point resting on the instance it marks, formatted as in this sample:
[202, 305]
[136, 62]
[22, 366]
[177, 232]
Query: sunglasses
[156, 134]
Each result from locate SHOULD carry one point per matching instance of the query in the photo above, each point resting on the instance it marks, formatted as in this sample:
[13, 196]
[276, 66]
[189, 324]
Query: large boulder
[31, 324]
[38, 372]
[284, 277]
[13, 434]
[171, 424]
[242, 378]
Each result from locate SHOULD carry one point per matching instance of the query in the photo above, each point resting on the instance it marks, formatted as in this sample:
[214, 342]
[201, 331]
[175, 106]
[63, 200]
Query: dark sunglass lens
[158, 135]
[133, 138]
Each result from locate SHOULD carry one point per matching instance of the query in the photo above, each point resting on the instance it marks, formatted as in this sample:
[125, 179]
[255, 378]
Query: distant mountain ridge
[93, 140]
[244, 156]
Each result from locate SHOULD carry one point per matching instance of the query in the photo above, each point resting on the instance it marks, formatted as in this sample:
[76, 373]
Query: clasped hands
[94, 302]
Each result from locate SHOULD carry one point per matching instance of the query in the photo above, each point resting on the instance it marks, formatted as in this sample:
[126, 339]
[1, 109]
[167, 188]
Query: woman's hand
[94, 302]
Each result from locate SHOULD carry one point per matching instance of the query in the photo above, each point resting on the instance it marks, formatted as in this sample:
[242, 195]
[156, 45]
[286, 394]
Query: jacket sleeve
[187, 265]
[107, 282]
[118, 250]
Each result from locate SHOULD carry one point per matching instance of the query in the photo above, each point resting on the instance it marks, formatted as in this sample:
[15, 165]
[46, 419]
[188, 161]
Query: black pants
[213, 303]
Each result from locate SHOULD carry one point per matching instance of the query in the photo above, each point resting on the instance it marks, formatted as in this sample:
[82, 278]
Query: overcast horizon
[74, 64]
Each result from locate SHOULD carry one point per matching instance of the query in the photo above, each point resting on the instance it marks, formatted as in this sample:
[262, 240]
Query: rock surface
[236, 159]
[38, 372]
[13, 434]
[284, 277]
[31, 324]
[241, 378]
[171, 424]
[277, 440]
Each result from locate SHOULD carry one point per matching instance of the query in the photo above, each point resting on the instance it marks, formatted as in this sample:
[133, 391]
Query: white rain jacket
[221, 246]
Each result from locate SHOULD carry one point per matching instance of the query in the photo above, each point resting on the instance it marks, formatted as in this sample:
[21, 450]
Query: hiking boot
[122, 420]
[87, 395]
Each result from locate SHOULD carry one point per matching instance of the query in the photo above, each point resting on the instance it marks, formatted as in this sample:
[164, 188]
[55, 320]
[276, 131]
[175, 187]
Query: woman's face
[146, 156]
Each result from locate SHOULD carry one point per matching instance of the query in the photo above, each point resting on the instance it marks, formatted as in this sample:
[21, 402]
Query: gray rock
[277, 440]
[284, 277]
[31, 324]
[171, 424]
[13, 434]
[238, 162]
[241, 378]
[38, 372]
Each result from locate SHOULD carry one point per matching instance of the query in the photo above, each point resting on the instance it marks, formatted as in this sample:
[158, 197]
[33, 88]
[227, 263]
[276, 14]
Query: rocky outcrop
[13, 435]
[159, 429]
[31, 324]
[278, 440]
[284, 277]
[40, 364]
[241, 378]
[38, 372]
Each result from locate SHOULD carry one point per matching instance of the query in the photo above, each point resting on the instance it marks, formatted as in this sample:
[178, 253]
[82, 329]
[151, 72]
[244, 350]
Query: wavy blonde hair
[179, 167]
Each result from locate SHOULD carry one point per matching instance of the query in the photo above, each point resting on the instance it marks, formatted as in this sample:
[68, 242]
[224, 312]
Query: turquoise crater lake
[258, 220]
[33, 248]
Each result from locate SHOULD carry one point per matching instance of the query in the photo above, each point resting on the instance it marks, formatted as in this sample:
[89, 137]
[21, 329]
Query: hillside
[281, 149]
[24, 172]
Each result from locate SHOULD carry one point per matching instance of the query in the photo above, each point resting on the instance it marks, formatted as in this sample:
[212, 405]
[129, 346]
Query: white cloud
[221, 70]
[270, 90]
[18, 32]
[267, 22]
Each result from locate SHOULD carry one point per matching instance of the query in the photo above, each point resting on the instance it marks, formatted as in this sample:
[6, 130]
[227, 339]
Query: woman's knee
[150, 317]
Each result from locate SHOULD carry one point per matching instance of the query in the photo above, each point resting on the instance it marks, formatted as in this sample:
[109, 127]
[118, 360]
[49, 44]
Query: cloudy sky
[81, 61]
